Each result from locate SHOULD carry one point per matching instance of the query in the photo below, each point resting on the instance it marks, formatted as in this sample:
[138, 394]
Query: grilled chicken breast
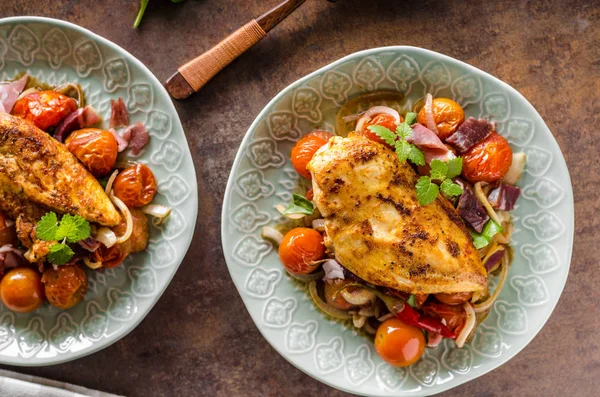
[38, 174]
[42, 170]
[377, 229]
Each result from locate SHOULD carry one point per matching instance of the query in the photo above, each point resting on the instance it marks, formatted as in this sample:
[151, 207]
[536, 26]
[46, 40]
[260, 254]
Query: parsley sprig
[70, 229]
[397, 140]
[427, 189]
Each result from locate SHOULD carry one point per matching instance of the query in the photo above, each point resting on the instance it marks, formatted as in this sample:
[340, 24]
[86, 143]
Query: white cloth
[13, 384]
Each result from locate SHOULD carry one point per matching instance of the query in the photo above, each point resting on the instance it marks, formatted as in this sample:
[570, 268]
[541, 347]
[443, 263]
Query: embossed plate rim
[139, 315]
[470, 70]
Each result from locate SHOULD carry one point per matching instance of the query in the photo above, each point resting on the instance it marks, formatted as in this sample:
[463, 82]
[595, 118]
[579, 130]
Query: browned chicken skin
[38, 174]
[377, 229]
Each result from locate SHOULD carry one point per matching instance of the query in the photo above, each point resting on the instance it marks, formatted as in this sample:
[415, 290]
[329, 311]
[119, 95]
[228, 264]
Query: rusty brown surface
[199, 339]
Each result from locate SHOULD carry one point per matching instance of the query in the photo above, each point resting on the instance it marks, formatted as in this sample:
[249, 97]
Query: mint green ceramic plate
[118, 299]
[262, 177]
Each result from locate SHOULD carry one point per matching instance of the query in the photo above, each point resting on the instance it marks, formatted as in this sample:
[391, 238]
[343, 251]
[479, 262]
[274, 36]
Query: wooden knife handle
[192, 76]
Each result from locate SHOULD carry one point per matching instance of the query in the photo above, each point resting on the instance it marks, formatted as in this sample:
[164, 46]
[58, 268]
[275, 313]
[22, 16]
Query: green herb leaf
[410, 118]
[403, 130]
[427, 191]
[439, 169]
[416, 155]
[300, 206]
[402, 150]
[482, 239]
[60, 254]
[454, 167]
[450, 188]
[412, 300]
[73, 228]
[388, 136]
[46, 227]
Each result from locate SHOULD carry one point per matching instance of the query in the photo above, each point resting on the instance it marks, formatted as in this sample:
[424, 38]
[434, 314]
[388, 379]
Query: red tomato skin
[135, 186]
[399, 344]
[384, 120]
[45, 109]
[95, 148]
[487, 161]
[299, 248]
[305, 149]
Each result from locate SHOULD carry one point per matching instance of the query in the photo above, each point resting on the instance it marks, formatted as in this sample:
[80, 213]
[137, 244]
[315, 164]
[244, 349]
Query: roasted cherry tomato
[65, 286]
[487, 161]
[458, 298]
[95, 148]
[300, 248]
[140, 234]
[399, 344]
[384, 120]
[45, 109]
[447, 114]
[135, 185]
[110, 257]
[305, 149]
[8, 234]
[21, 289]
[454, 315]
[333, 296]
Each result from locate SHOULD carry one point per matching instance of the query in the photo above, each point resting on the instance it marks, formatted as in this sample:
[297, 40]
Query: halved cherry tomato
[399, 344]
[95, 148]
[110, 257]
[447, 114]
[21, 289]
[333, 296]
[65, 286]
[458, 298]
[45, 109]
[8, 234]
[384, 120]
[135, 185]
[305, 149]
[300, 248]
[487, 161]
[455, 316]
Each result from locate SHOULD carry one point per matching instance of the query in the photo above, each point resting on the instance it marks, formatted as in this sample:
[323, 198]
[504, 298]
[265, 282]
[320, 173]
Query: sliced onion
[324, 307]
[28, 91]
[92, 265]
[158, 211]
[281, 209]
[483, 306]
[516, 169]
[351, 117]
[434, 338]
[429, 114]
[106, 236]
[274, 235]
[126, 213]
[358, 297]
[110, 181]
[319, 225]
[369, 328]
[6, 248]
[482, 197]
[469, 325]
[66, 88]
[358, 320]
[306, 278]
[367, 311]
[375, 110]
[9, 222]
[386, 317]
[333, 270]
